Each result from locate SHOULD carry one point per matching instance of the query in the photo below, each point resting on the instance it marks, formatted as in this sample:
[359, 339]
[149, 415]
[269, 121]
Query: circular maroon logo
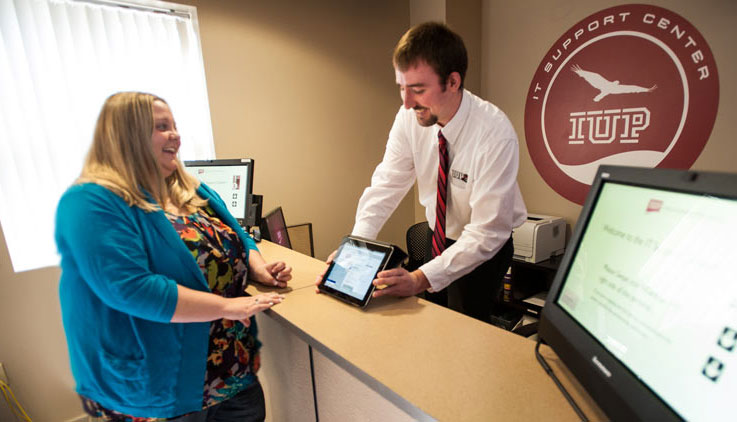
[630, 85]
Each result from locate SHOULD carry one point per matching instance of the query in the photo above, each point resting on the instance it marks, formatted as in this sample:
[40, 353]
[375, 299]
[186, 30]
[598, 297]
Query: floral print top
[232, 357]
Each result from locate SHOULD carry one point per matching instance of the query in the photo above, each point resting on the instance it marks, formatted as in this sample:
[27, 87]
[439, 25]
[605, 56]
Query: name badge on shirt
[458, 178]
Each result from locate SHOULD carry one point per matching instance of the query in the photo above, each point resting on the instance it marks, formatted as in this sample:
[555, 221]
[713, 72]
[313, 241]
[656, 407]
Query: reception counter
[399, 359]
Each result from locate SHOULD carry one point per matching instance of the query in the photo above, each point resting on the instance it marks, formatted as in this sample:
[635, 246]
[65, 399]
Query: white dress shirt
[484, 201]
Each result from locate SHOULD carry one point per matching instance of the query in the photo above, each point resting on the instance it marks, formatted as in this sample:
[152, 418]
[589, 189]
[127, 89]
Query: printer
[539, 238]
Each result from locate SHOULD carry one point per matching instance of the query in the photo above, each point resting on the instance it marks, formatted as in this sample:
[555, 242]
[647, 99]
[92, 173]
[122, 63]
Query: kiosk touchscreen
[643, 309]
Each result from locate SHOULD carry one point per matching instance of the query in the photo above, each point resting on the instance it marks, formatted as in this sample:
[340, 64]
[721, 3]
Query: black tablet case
[397, 257]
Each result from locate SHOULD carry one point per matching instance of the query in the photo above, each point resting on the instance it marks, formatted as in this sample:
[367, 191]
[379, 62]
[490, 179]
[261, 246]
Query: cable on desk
[562, 389]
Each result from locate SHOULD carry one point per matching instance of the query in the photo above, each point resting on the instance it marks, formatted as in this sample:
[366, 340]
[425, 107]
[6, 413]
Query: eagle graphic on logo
[607, 87]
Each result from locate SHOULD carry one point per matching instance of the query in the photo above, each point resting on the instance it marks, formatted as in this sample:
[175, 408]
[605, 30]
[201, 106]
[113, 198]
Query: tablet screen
[354, 268]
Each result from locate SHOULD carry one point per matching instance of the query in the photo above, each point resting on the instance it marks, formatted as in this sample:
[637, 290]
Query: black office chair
[418, 244]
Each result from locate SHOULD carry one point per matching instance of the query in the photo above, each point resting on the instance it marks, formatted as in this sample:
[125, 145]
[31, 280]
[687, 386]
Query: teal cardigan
[120, 267]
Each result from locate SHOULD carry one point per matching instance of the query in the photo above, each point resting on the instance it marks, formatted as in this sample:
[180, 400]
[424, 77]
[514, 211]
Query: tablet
[349, 277]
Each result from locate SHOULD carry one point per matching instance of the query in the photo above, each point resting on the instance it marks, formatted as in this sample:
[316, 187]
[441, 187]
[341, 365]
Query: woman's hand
[275, 274]
[197, 306]
[243, 308]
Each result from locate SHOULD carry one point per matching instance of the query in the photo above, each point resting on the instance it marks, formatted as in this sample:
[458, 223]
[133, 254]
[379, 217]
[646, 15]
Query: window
[59, 61]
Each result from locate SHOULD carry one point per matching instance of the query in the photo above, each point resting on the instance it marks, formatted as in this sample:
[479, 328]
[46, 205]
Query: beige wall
[32, 343]
[309, 93]
[307, 90]
[517, 35]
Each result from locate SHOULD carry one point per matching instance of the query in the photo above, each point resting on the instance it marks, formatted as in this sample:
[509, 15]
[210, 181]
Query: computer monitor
[643, 309]
[232, 179]
[274, 228]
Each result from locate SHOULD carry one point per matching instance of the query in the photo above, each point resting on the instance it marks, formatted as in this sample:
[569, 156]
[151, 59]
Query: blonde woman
[154, 269]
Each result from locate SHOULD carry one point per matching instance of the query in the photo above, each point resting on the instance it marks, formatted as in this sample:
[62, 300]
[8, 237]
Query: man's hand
[400, 282]
[322, 274]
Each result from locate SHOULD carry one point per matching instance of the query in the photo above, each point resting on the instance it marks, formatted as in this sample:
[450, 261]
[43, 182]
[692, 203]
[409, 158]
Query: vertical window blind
[59, 61]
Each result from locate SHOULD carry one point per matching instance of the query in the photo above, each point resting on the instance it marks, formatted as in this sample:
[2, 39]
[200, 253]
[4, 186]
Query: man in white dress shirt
[482, 196]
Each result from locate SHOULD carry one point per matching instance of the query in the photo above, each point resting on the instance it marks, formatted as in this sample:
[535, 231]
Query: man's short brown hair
[435, 44]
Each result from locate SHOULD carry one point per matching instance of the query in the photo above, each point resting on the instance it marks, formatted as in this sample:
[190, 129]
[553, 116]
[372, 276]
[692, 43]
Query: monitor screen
[274, 228]
[231, 179]
[644, 307]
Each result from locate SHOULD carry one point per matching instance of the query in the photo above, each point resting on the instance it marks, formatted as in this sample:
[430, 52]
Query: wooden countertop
[452, 367]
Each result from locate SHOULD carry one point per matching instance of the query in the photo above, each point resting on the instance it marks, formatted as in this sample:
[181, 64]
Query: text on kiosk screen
[653, 280]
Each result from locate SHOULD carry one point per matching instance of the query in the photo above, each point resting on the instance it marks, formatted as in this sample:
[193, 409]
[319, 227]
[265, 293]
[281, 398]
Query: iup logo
[630, 85]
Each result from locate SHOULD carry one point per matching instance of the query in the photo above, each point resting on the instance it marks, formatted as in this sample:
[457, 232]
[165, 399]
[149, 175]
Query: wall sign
[629, 85]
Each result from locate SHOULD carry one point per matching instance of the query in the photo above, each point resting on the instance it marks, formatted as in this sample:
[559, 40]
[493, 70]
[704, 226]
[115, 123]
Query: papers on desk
[537, 299]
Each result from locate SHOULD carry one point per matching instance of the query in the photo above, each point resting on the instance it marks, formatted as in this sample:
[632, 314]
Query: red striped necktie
[438, 237]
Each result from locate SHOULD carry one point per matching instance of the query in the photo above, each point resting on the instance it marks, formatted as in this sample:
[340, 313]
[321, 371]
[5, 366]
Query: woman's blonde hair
[122, 159]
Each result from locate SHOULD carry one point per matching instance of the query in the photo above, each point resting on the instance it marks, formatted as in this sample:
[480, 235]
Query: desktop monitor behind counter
[643, 309]
[274, 228]
[232, 179]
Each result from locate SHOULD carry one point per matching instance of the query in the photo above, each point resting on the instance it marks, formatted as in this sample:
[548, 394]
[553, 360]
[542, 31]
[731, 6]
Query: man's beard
[428, 121]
